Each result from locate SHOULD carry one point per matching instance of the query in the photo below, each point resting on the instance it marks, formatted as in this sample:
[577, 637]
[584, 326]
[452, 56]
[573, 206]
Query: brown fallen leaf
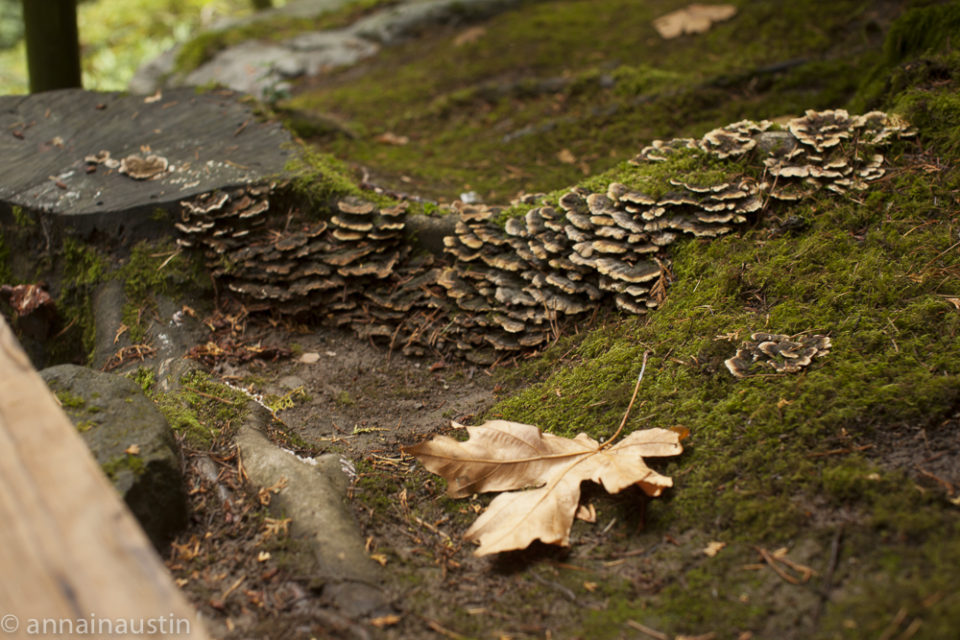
[385, 621]
[566, 156]
[694, 18]
[505, 456]
[713, 548]
[26, 298]
[133, 450]
[391, 138]
[587, 513]
[469, 36]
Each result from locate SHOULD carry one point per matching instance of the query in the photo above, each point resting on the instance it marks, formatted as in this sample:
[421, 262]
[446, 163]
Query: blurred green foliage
[116, 36]
[11, 26]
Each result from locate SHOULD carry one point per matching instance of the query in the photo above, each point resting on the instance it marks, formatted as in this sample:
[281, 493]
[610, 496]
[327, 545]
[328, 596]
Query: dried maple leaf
[694, 18]
[506, 456]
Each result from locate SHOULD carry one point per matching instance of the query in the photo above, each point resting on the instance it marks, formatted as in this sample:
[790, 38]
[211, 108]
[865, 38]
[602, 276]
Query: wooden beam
[70, 551]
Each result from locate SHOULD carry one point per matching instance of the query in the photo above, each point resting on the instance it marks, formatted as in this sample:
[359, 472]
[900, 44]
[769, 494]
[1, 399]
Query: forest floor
[822, 504]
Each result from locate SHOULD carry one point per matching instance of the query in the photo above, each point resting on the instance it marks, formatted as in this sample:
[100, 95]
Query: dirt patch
[364, 397]
[929, 454]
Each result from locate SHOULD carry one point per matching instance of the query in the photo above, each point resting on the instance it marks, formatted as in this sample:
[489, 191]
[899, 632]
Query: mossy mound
[541, 96]
[850, 464]
[845, 453]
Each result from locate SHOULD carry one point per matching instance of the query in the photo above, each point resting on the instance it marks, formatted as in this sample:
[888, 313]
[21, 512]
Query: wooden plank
[69, 548]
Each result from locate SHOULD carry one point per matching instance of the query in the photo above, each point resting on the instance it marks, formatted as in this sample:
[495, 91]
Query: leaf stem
[626, 415]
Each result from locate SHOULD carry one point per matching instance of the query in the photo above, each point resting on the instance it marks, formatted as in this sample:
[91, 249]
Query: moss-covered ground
[792, 459]
[546, 94]
[850, 465]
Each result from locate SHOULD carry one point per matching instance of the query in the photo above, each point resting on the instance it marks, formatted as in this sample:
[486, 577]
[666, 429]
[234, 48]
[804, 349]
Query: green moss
[82, 267]
[152, 269]
[919, 579]
[344, 399]
[852, 480]
[85, 425]
[914, 47]
[114, 466]
[318, 176]
[145, 378]
[566, 80]
[287, 401]
[70, 400]
[202, 411]
[160, 215]
[702, 599]
[631, 81]
[22, 218]
[872, 273]
[6, 274]
[921, 31]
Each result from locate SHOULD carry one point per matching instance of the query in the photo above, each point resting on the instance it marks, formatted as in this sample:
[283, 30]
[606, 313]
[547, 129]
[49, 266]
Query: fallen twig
[647, 631]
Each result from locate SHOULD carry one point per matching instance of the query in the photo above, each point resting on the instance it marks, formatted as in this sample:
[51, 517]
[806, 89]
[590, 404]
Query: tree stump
[84, 158]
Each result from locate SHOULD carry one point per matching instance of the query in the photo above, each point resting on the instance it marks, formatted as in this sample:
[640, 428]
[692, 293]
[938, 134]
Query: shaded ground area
[834, 491]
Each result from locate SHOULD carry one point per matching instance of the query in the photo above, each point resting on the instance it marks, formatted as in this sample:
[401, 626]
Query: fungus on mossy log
[781, 353]
[508, 288]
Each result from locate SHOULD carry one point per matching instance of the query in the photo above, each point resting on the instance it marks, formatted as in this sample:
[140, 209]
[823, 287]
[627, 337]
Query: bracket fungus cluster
[504, 287]
[781, 353]
[353, 269]
[820, 150]
[144, 167]
[136, 166]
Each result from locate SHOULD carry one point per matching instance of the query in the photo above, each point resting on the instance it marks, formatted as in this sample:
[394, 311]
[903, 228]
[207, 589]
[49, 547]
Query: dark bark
[262, 4]
[53, 44]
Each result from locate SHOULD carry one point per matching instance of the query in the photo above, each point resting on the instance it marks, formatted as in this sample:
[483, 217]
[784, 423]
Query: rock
[261, 68]
[170, 370]
[291, 382]
[131, 441]
[394, 24]
[171, 335]
[315, 499]
[159, 71]
[264, 68]
[175, 332]
[107, 303]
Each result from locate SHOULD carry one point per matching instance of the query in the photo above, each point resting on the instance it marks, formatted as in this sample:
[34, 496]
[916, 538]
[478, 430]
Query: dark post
[259, 5]
[53, 45]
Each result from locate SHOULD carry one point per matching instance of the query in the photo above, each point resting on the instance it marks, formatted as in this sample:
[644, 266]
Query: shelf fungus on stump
[505, 286]
[141, 167]
[781, 353]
